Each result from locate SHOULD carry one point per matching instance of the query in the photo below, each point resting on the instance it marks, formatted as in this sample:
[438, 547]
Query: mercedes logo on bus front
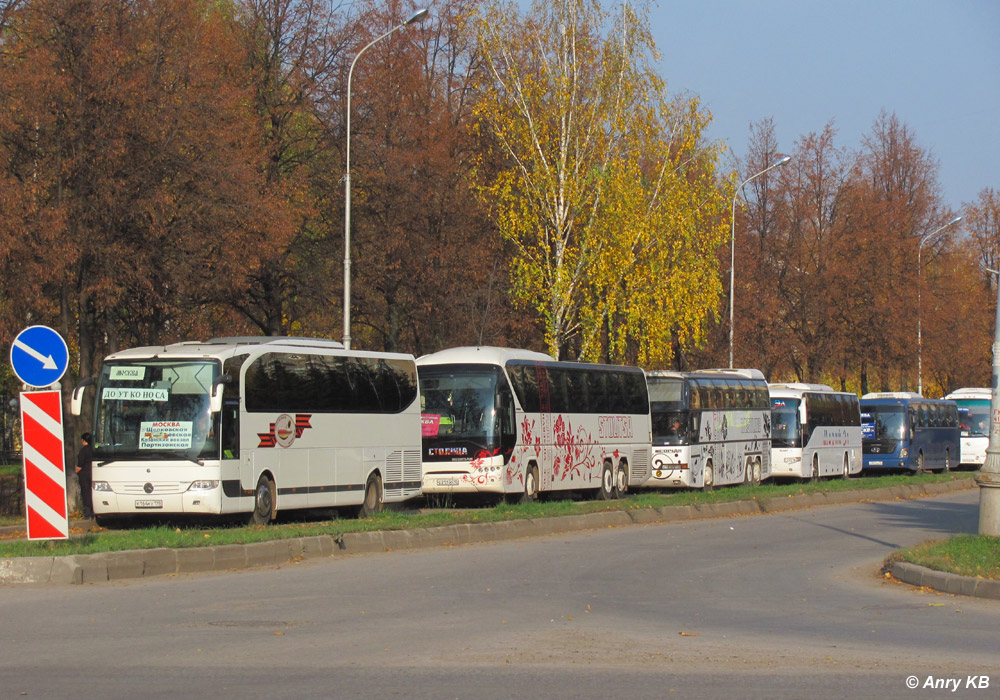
[147, 487]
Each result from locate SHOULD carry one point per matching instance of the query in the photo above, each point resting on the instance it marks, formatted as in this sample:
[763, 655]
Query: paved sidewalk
[111, 566]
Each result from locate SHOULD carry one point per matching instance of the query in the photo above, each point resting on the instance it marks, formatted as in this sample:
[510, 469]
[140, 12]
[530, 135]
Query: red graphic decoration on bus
[285, 430]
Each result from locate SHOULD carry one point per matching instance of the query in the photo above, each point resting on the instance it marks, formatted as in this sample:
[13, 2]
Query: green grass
[966, 555]
[9, 469]
[186, 536]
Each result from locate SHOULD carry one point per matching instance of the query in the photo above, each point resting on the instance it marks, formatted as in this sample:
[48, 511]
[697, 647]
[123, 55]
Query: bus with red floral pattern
[518, 423]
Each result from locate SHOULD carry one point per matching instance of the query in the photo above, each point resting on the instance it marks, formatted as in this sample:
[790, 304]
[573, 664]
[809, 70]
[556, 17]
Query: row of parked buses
[251, 426]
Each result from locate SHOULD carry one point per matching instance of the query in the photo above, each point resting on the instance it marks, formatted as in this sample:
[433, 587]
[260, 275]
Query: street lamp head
[418, 16]
[783, 161]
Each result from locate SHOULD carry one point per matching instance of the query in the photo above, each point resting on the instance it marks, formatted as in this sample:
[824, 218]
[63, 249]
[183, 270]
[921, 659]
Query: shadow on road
[943, 517]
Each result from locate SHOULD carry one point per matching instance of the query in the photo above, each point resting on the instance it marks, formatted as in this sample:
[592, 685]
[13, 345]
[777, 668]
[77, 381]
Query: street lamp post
[988, 477]
[417, 16]
[732, 244]
[920, 279]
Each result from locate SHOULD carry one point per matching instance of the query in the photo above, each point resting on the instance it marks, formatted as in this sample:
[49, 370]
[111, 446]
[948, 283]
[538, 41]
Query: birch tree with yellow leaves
[608, 192]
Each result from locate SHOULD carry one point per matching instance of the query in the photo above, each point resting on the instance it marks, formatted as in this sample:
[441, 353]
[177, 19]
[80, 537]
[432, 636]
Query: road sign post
[44, 465]
[39, 357]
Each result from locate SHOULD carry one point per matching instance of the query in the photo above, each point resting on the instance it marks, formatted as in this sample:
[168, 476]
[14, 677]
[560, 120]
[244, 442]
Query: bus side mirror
[217, 389]
[76, 405]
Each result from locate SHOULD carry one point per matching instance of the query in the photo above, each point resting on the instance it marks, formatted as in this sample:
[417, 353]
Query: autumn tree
[428, 268]
[608, 195]
[132, 192]
[893, 201]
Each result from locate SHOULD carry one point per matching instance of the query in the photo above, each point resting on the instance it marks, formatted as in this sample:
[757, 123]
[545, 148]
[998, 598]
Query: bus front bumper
[110, 498]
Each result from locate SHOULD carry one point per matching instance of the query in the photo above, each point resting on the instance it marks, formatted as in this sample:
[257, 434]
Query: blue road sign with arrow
[39, 356]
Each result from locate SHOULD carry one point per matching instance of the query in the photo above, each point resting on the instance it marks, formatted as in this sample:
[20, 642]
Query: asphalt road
[777, 606]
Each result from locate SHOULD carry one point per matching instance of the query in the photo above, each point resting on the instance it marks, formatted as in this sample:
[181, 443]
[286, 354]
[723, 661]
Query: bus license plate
[149, 504]
[447, 482]
[875, 462]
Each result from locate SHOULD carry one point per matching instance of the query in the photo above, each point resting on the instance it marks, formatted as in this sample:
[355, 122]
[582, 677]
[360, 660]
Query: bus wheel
[814, 477]
[947, 462]
[847, 469]
[607, 490]
[709, 476]
[920, 464]
[263, 501]
[373, 497]
[621, 479]
[530, 494]
[755, 479]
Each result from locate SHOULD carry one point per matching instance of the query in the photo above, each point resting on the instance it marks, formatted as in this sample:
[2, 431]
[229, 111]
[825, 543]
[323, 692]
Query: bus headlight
[101, 486]
[203, 485]
[904, 453]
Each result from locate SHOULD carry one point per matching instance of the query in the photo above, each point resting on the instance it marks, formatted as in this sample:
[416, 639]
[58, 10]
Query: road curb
[112, 566]
[945, 582]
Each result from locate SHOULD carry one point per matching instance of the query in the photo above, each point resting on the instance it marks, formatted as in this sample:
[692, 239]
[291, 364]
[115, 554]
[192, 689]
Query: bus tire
[621, 479]
[263, 501]
[606, 491]
[847, 469]
[947, 462]
[920, 464]
[373, 497]
[814, 476]
[755, 479]
[709, 476]
[530, 494]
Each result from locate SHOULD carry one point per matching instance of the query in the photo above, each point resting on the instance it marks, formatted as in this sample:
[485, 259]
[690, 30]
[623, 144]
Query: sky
[802, 63]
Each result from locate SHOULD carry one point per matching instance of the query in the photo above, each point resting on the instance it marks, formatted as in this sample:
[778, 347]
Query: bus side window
[508, 424]
[694, 431]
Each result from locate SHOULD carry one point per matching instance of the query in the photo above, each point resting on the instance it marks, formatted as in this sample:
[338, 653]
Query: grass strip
[179, 536]
[966, 555]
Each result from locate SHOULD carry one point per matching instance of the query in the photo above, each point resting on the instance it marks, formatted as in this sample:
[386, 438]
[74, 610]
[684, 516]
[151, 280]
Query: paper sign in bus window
[165, 435]
[132, 374]
[120, 394]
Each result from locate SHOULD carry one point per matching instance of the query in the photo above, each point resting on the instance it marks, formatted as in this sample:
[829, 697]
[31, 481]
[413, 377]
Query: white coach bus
[815, 431]
[710, 428]
[974, 420]
[253, 426]
[517, 423]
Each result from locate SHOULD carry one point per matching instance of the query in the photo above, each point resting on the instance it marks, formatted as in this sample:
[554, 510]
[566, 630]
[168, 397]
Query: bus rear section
[517, 423]
[905, 432]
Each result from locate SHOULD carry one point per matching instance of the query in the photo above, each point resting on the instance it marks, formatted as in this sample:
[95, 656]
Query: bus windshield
[786, 429]
[457, 407]
[156, 409]
[974, 419]
[668, 409]
[883, 423]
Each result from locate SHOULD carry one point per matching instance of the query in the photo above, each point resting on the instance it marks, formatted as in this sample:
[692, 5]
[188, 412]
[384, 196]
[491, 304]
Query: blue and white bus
[974, 421]
[901, 430]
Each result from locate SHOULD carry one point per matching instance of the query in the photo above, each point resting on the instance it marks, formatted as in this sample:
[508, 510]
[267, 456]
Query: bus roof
[755, 374]
[899, 398]
[222, 348]
[481, 355]
[971, 393]
[891, 395]
[800, 387]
